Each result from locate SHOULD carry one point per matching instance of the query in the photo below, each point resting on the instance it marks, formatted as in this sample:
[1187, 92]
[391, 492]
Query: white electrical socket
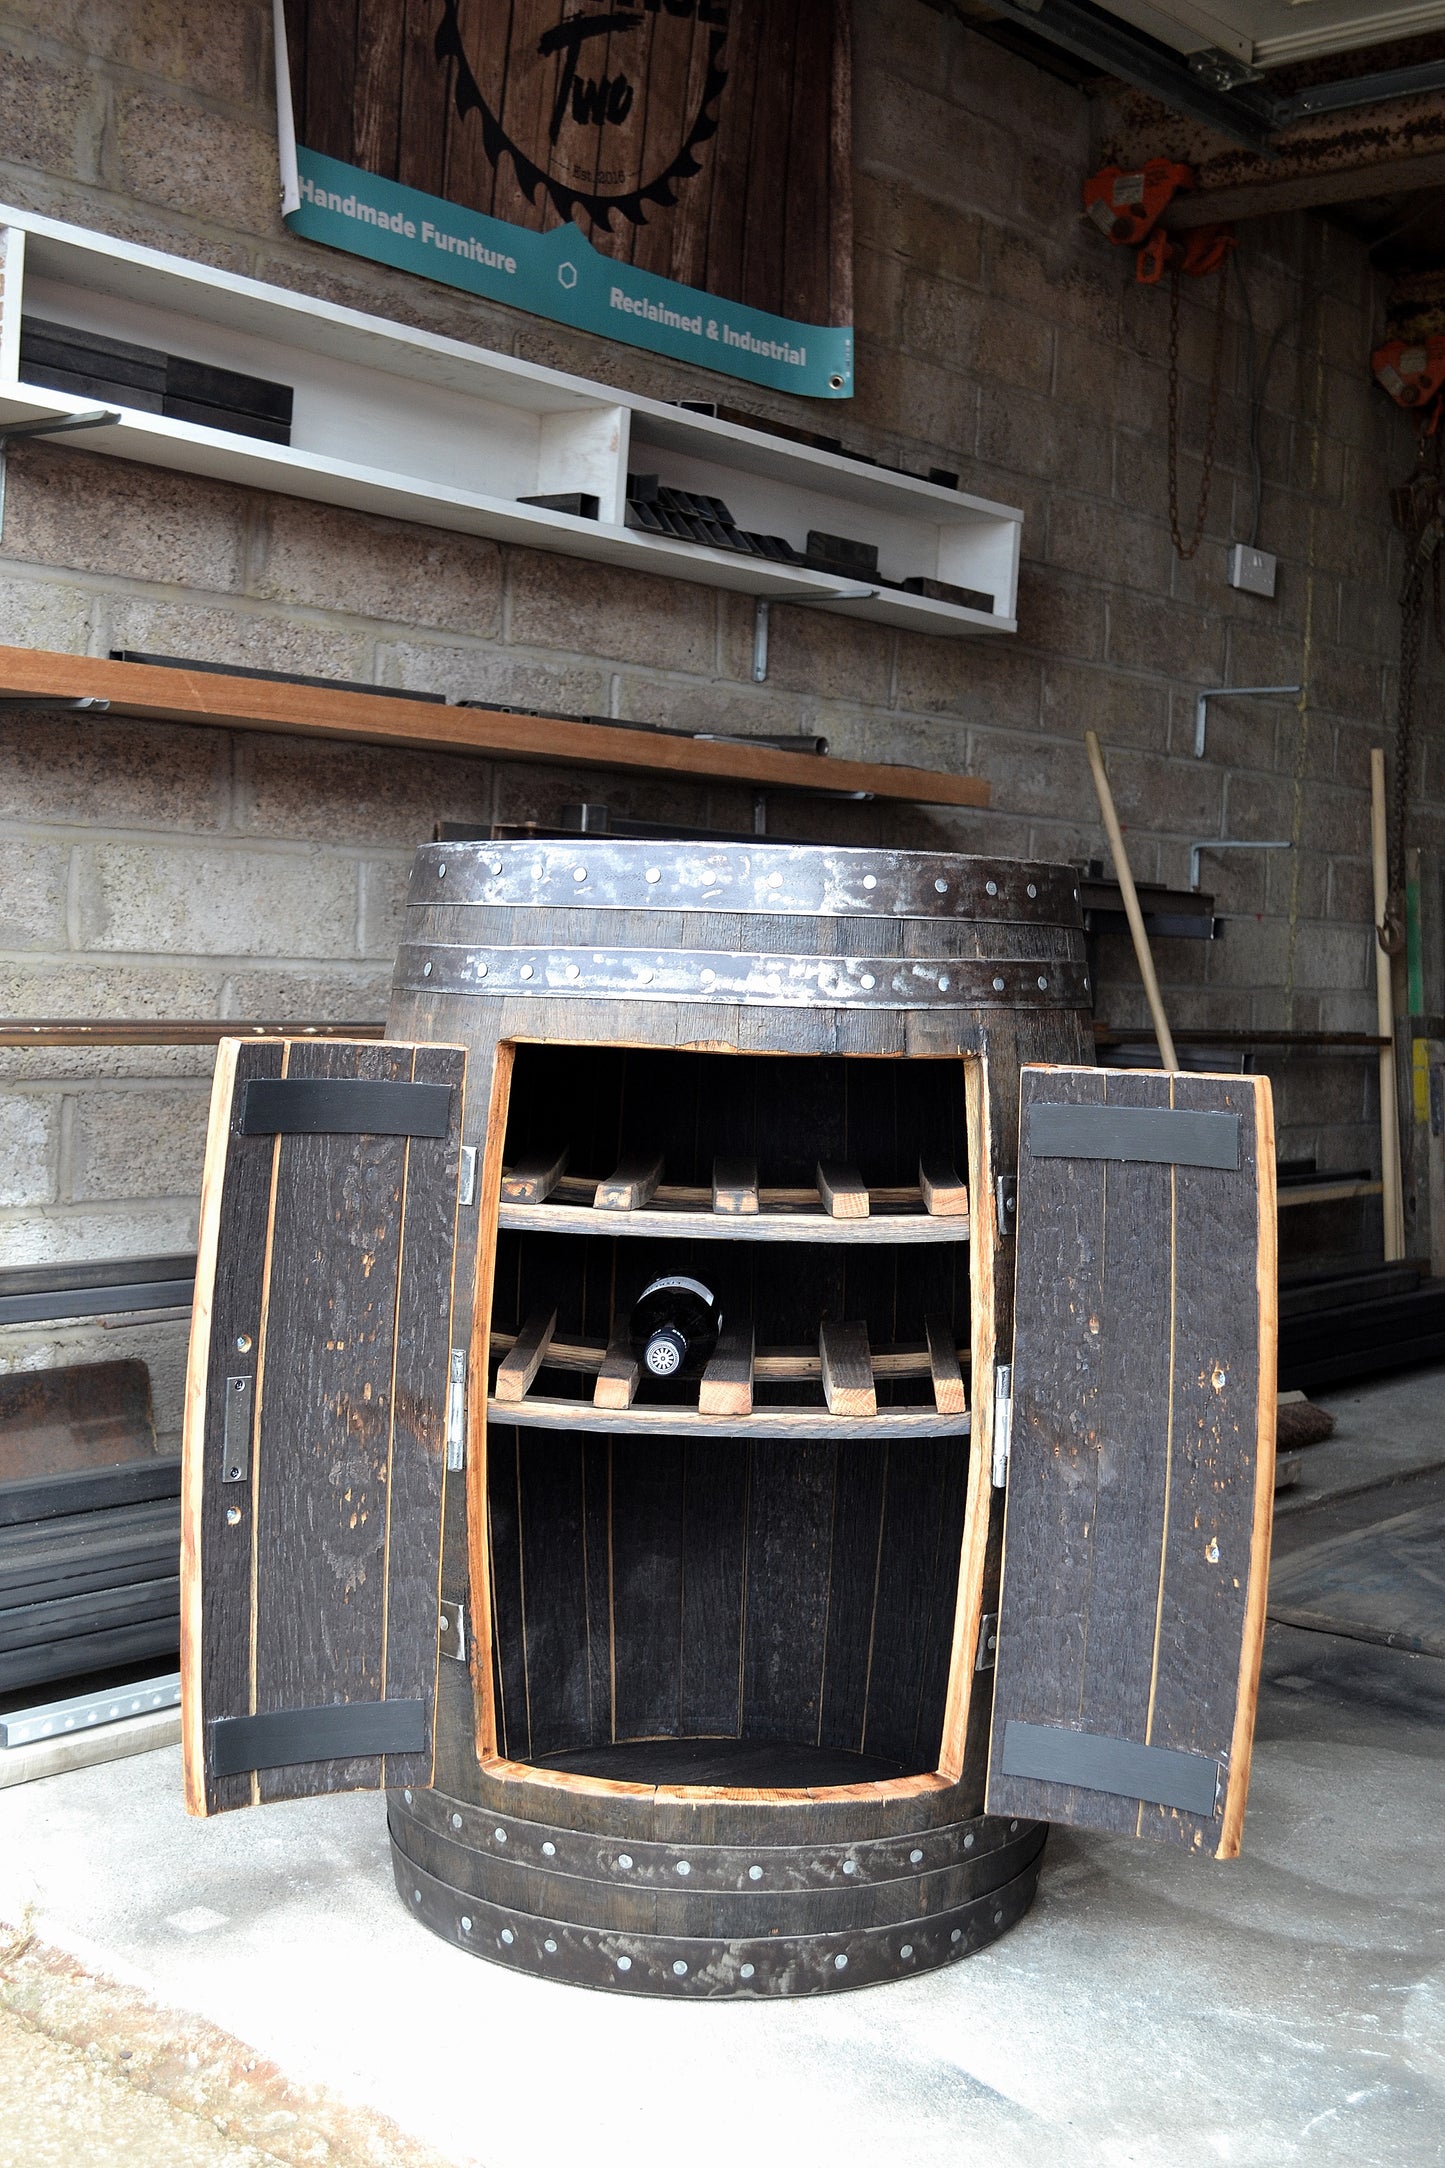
[1253, 570]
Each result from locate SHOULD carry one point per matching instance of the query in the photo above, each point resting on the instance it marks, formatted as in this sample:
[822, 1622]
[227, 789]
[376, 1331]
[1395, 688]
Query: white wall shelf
[391, 420]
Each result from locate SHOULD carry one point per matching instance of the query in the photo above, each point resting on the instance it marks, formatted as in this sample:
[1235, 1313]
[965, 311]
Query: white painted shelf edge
[951, 534]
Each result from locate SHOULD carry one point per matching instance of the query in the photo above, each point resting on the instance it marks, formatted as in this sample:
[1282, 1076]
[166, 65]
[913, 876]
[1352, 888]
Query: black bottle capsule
[674, 1326]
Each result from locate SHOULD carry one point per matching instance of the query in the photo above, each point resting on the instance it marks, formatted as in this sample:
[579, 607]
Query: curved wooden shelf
[536, 1413]
[790, 1223]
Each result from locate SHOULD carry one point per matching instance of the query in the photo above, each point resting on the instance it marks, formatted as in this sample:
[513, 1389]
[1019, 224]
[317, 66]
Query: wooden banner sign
[676, 174]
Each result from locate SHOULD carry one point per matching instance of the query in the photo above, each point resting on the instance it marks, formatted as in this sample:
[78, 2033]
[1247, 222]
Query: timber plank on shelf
[155, 693]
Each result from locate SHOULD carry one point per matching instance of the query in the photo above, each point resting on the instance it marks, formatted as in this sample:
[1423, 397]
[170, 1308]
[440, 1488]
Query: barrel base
[633, 1916]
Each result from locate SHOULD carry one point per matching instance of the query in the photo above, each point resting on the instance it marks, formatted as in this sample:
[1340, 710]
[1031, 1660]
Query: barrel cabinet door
[317, 1403]
[1140, 1463]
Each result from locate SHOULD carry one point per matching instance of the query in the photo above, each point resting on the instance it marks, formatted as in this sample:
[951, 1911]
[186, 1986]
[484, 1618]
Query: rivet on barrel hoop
[624, 1964]
[745, 1972]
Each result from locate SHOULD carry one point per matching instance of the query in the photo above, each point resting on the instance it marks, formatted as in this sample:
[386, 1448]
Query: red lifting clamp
[1412, 371]
[1127, 207]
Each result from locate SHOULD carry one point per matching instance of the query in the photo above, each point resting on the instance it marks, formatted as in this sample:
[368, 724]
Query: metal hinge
[987, 1642]
[467, 1175]
[457, 1412]
[452, 1632]
[1003, 1422]
[1006, 1193]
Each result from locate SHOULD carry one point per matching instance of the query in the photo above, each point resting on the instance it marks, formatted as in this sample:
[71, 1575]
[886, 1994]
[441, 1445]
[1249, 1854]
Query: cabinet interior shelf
[537, 1198]
[383, 418]
[843, 1366]
[798, 1423]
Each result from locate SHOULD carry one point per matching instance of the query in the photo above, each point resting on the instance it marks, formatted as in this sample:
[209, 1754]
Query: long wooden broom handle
[1131, 903]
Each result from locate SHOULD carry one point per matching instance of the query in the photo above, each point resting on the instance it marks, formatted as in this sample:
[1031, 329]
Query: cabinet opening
[745, 1572]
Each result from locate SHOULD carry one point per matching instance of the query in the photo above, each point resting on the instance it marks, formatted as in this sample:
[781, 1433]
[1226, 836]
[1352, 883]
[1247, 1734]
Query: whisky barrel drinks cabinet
[727, 1682]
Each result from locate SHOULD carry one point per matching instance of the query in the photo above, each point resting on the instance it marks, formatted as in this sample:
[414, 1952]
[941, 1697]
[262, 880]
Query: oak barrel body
[721, 1724]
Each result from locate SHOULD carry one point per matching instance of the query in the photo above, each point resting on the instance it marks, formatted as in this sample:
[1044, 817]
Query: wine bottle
[674, 1326]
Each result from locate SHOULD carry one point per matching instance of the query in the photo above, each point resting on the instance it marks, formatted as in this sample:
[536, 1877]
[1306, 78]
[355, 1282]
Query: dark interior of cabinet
[740, 1610]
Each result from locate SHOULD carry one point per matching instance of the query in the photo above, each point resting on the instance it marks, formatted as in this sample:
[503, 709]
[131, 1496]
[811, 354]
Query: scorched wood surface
[316, 1415]
[1137, 1536]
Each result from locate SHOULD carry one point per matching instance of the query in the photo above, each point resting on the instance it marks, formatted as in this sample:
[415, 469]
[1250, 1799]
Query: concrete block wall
[157, 871]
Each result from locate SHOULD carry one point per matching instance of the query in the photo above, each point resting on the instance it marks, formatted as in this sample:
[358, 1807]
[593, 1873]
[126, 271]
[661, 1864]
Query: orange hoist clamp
[1412, 371]
[1127, 207]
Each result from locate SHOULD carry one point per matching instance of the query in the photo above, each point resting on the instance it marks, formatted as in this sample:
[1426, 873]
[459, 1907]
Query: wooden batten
[847, 1370]
[534, 1177]
[630, 1185]
[727, 1382]
[843, 1191]
[944, 1195]
[735, 1186]
[949, 1396]
[526, 1355]
[617, 1375]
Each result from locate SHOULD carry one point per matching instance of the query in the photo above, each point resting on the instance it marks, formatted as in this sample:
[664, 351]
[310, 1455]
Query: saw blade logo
[603, 111]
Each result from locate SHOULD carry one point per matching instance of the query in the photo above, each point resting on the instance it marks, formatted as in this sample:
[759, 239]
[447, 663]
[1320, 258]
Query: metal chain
[1216, 379]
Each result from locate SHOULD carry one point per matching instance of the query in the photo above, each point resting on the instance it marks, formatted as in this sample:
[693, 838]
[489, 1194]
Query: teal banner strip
[562, 276]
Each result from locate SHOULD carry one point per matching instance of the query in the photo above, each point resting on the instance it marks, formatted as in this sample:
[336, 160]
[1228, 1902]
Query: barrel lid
[802, 879]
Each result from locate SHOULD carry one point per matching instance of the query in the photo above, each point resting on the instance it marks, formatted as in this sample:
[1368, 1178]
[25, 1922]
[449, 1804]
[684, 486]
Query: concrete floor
[1153, 2011]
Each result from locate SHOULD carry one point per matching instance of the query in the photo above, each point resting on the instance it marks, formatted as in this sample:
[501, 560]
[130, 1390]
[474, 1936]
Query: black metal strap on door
[345, 1107]
[1162, 1775]
[342, 1732]
[1162, 1136]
